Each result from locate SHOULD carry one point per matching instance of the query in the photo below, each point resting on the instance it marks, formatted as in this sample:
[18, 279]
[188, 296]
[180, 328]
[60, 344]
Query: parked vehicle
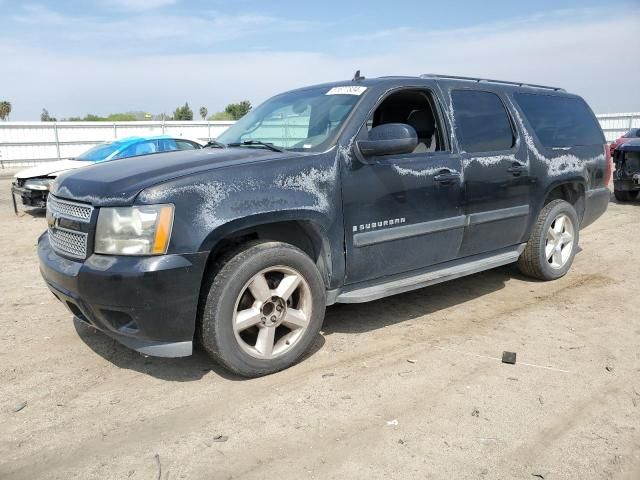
[32, 184]
[339, 193]
[626, 177]
[630, 135]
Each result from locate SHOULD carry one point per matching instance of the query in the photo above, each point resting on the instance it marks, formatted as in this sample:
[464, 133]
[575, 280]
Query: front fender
[320, 222]
[215, 204]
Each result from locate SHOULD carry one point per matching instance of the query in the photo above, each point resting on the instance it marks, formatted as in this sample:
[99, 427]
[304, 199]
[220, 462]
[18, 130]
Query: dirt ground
[402, 388]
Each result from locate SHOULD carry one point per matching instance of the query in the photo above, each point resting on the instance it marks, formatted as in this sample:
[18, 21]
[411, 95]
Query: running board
[441, 273]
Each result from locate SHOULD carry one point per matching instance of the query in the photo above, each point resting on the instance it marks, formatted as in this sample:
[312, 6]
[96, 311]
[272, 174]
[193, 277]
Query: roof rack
[474, 79]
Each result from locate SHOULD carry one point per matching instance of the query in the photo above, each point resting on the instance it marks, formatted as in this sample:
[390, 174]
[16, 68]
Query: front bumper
[148, 304]
[596, 203]
[30, 198]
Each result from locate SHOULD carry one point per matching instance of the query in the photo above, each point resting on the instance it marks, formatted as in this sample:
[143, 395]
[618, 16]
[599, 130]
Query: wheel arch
[571, 190]
[306, 230]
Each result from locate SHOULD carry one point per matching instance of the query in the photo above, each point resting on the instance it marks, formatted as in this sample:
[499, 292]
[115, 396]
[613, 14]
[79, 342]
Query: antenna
[357, 77]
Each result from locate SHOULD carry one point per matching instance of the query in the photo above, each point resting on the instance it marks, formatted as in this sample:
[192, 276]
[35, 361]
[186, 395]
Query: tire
[269, 270]
[535, 260]
[624, 195]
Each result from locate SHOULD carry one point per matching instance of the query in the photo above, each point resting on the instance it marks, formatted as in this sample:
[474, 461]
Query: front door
[403, 212]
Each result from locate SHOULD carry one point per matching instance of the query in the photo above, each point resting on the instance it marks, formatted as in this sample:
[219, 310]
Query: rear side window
[482, 123]
[185, 145]
[560, 121]
[166, 145]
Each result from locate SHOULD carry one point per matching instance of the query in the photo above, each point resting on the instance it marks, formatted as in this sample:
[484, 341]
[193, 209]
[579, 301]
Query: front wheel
[553, 243]
[263, 310]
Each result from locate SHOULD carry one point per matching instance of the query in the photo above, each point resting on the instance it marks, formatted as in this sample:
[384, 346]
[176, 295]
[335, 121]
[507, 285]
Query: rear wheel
[553, 243]
[264, 308]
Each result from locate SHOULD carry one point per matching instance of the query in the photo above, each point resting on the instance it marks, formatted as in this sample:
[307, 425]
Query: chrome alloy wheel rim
[272, 312]
[559, 241]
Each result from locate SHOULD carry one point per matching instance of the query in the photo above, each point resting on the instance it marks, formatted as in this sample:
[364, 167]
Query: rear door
[497, 181]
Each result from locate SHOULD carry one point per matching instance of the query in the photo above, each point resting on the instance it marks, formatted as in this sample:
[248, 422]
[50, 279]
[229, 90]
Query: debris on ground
[509, 357]
[220, 438]
[609, 368]
[20, 406]
[538, 475]
[411, 360]
[325, 375]
[401, 441]
[475, 413]
[393, 423]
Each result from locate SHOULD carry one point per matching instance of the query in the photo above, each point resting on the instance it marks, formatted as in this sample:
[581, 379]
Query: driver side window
[417, 109]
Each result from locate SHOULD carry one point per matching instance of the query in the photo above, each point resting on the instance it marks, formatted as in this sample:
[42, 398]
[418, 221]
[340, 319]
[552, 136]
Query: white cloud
[141, 4]
[204, 29]
[581, 55]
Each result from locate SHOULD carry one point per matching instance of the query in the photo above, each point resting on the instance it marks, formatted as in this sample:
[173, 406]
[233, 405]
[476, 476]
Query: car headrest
[423, 122]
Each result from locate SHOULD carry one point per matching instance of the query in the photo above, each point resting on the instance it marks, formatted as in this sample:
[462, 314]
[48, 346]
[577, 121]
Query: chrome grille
[63, 240]
[70, 243]
[75, 211]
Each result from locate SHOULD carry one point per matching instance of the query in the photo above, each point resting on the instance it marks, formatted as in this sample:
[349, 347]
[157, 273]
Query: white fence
[28, 143]
[615, 124]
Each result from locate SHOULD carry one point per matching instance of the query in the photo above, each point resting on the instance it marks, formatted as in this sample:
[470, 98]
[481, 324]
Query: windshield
[97, 153]
[304, 120]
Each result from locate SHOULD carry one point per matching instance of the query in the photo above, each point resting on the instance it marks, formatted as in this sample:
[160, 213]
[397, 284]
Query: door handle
[517, 168]
[446, 176]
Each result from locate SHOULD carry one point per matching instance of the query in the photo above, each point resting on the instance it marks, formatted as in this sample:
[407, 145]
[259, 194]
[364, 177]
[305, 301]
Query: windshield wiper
[214, 144]
[270, 146]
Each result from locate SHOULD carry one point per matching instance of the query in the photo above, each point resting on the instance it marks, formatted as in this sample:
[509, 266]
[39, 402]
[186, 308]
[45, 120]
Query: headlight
[38, 183]
[139, 230]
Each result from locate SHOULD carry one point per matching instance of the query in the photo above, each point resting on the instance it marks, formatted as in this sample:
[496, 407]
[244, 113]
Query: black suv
[345, 192]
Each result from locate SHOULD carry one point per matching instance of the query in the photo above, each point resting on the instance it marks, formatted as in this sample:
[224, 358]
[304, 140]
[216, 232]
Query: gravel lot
[406, 387]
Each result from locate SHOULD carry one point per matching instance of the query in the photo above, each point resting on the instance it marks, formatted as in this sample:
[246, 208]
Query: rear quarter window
[560, 121]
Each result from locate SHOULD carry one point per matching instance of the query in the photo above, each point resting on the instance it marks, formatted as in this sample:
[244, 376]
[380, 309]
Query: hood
[51, 169]
[118, 182]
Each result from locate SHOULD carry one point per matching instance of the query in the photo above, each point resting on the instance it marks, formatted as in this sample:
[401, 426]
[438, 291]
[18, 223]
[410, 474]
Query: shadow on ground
[364, 317]
[344, 319]
[186, 369]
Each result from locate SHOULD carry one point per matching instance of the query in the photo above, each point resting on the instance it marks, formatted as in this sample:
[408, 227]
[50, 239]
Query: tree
[45, 117]
[221, 116]
[5, 110]
[203, 112]
[183, 113]
[238, 110]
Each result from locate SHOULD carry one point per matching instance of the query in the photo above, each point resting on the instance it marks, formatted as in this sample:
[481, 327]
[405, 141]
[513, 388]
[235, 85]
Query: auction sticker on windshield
[347, 90]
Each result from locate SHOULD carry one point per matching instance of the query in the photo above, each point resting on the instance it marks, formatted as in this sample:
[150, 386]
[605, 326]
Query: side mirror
[389, 139]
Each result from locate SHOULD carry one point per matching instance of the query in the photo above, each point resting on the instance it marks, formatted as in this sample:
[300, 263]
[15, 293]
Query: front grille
[70, 243]
[75, 211]
[63, 240]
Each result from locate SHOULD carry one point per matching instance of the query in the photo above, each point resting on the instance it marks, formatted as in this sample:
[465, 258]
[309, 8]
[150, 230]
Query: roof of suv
[405, 79]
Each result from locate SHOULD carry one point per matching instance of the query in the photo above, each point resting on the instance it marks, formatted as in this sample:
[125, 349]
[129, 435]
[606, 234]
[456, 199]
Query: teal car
[32, 184]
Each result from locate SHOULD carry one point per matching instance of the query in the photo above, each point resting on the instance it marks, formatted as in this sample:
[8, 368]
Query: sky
[76, 57]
